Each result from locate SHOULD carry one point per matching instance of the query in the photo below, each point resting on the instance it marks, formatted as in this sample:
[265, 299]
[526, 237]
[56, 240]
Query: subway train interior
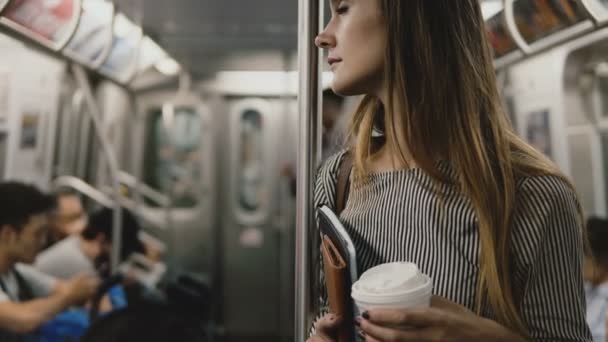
[192, 116]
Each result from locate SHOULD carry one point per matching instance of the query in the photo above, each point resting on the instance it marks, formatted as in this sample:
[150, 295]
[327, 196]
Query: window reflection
[250, 168]
[173, 158]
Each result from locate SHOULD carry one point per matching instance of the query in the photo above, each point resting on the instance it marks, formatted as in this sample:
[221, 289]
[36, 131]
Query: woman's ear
[8, 235]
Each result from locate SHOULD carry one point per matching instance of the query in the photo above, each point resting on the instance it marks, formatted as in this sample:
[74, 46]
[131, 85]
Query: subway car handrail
[135, 208]
[83, 188]
[144, 189]
[111, 160]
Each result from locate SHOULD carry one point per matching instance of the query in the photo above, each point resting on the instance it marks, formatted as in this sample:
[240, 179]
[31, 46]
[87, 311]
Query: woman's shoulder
[330, 167]
[547, 192]
[327, 179]
[546, 208]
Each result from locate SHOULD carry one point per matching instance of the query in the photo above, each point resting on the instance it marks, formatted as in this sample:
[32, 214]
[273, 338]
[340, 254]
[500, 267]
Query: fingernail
[358, 321]
[365, 315]
[361, 334]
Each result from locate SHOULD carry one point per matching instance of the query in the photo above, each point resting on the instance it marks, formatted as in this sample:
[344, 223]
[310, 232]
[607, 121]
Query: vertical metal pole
[309, 93]
[95, 113]
[168, 118]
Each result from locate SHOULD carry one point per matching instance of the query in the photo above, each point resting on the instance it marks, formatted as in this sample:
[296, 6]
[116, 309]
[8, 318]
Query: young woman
[449, 185]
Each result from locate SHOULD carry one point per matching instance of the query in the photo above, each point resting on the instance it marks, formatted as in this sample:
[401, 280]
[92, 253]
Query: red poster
[51, 20]
[499, 36]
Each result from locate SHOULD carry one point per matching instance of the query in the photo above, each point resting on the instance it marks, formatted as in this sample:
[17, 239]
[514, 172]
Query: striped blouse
[397, 216]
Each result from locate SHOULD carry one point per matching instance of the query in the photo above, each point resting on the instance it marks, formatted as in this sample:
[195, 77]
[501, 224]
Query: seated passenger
[69, 219]
[146, 322]
[596, 277]
[28, 298]
[87, 252]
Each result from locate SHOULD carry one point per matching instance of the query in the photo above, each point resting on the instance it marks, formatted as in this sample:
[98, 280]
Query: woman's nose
[325, 41]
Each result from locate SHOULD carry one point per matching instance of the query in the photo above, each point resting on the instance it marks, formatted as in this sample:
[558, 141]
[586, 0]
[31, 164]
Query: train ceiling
[199, 33]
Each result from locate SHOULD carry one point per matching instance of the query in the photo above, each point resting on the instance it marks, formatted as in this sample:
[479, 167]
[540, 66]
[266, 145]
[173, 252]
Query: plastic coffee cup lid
[392, 279]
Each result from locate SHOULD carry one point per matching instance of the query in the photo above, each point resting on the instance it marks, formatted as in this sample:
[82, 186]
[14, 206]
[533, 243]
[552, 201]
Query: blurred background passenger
[29, 298]
[89, 252]
[69, 219]
[596, 277]
[146, 322]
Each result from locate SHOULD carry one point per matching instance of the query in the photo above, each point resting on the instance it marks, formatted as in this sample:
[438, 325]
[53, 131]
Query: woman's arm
[548, 242]
[443, 321]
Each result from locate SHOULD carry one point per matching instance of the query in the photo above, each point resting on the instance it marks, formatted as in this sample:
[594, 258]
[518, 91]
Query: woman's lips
[333, 60]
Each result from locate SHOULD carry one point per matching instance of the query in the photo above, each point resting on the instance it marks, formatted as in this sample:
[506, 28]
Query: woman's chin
[350, 86]
[345, 89]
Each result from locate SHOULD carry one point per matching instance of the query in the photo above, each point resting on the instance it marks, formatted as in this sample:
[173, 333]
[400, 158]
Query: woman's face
[355, 39]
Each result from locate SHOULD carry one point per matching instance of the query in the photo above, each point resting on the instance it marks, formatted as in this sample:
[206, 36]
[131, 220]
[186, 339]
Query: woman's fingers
[327, 325]
[415, 317]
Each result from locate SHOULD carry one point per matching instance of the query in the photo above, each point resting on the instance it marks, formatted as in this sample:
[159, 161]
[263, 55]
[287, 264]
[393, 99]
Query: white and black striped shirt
[398, 216]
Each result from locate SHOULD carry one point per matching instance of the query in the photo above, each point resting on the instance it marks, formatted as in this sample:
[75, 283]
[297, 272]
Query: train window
[604, 137]
[538, 19]
[538, 131]
[250, 159]
[173, 161]
[51, 23]
[603, 87]
[92, 39]
[499, 36]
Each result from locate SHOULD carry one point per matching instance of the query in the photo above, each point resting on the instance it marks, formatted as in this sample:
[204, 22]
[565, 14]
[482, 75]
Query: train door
[257, 232]
[177, 159]
[585, 94]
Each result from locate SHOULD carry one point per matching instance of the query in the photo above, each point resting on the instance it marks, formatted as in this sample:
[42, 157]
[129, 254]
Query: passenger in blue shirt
[596, 278]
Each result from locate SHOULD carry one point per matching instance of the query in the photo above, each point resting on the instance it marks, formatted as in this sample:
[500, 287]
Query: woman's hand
[443, 321]
[326, 329]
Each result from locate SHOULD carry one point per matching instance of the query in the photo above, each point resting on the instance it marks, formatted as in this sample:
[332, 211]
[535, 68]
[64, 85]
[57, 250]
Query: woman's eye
[342, 9]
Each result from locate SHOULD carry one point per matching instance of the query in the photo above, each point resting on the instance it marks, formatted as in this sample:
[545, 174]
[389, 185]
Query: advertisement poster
[538, 131]
[47, 20]
[540, 18]
[122, 61]
[94, 32]
[29, 130]
[499, 36]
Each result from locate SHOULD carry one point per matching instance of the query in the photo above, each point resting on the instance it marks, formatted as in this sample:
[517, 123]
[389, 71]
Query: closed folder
[337, 282]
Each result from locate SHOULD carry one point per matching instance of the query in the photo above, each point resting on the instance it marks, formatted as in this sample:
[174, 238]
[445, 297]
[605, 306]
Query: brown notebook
[337, 282]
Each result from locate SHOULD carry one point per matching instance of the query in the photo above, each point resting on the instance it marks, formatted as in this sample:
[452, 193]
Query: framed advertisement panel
[50, 23]
[598, 10]
[91, 43]
[150, 54]
[121, 63]
[542, 23]
[504, 46]
[499, 36]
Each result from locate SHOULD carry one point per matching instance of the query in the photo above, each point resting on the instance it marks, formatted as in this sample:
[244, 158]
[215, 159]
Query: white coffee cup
[398, 285]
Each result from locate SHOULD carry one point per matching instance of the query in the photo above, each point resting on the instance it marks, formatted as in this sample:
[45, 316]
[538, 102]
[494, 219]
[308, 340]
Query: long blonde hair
[439, 67]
